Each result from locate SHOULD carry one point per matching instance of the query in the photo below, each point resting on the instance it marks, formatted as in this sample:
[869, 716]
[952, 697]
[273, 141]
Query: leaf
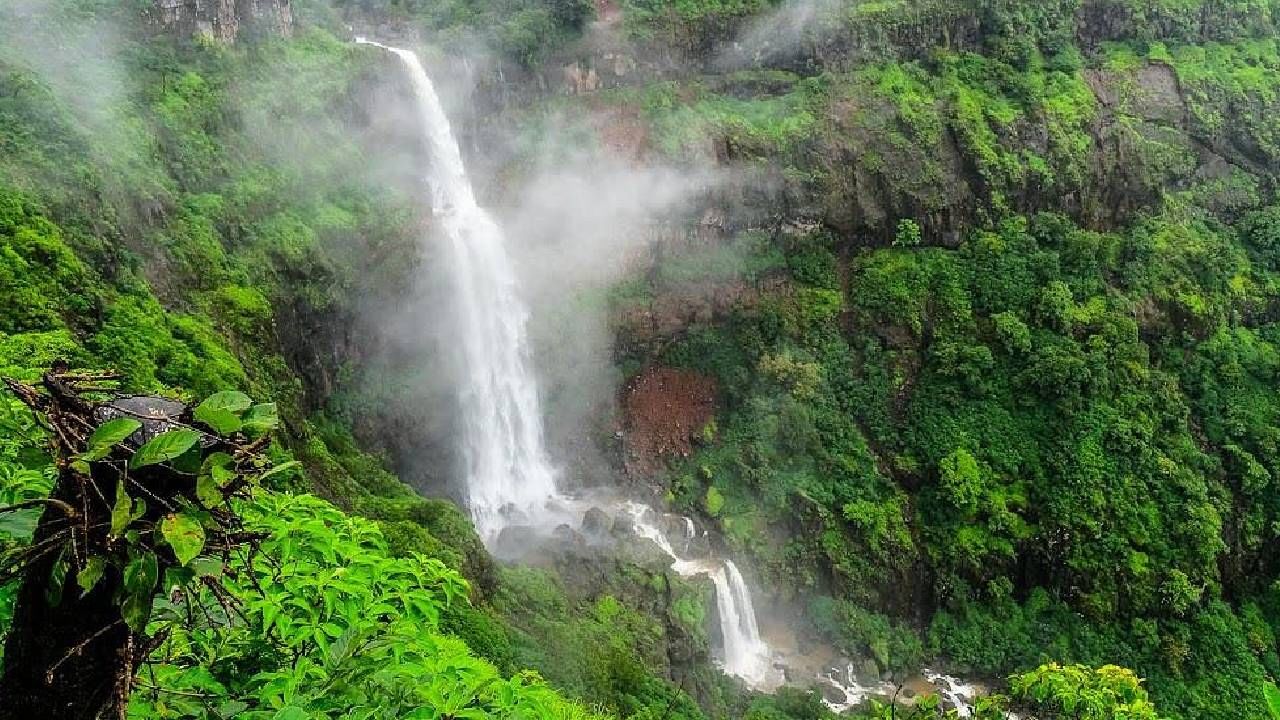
[184, 535]
[278, 469]
[228, 401]
[58, 578]
[20, 524]
[291, 712]
[141, 573]
[216, 473]
[1272, 695]
[164, 447]
[262, 418]
[222, 421]
[120, 512]
[136, 608]
[206, 567]
[91, 573]
[108, 435]
[207, 491]
[232, 708]
[222, 411]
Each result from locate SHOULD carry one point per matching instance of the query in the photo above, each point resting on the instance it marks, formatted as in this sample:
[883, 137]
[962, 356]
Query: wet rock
[596, 522]
[623, 527]
[157, 415]
[566, 534]
[515, 541]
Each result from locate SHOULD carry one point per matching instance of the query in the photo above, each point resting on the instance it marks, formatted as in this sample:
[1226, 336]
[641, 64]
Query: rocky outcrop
[222, 20]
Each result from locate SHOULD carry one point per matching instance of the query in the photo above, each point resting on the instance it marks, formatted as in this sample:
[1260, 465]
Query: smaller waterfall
[746, 654]
[845, 681]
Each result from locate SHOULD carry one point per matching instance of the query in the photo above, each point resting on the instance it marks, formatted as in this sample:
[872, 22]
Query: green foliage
[1040, 381]
[1272, 694]
[860, 633]
[907, 234]
[692, 25]
[1083, 693]
[329, 625]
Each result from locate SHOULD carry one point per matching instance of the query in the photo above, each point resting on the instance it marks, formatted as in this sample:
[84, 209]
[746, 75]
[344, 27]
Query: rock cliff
[222, 20]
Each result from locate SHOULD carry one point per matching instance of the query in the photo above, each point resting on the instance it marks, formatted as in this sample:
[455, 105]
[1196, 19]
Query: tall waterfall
[509, 474]
[746, 654]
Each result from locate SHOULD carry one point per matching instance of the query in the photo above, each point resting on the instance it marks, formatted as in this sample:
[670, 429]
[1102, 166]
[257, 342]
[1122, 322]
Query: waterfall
[509, 474]
[746, 654]
[510, 478]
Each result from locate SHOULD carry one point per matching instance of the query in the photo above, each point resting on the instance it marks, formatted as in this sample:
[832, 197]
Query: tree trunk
[64, 661]
[70, 655]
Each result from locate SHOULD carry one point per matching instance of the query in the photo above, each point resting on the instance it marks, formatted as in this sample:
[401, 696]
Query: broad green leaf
[136, 608]
[291, 712]
[184, 535]
[262, 418]
[207, 491]
[141, 573]
[121, 514]
[91, 573]
[232, 708]
[216, 473]
[206, 567]
[1272, 695]
[222, 421]
[20, 524]
[279, 469]
[222, 411]
[108, 435]
[231, 401]
[164, 447]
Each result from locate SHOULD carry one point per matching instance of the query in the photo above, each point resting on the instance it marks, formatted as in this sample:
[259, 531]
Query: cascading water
[510, 478]
[746, 654]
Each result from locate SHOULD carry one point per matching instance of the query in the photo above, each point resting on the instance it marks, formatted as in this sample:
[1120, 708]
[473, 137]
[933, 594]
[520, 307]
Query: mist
[75, 53]
[577, 227]
[779, 35]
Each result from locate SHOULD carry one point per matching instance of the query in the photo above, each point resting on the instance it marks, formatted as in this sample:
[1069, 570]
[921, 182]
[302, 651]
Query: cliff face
[223, 20]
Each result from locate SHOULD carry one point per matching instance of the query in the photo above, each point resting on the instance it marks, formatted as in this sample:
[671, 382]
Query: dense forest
[956, 324]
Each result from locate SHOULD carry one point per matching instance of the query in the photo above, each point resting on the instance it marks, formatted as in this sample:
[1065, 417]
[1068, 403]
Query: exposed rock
[222, 20]
[596, 522]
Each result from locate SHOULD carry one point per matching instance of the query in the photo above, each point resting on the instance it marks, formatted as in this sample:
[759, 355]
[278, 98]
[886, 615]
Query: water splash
[855, 693]
[954, 692]
[510, 479]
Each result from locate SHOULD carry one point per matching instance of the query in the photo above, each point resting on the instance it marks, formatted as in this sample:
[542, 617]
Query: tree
[1077, 692]
[142, 489]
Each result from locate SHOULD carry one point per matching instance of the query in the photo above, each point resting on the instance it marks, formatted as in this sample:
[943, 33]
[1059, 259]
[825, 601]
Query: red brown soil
[665, 410]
